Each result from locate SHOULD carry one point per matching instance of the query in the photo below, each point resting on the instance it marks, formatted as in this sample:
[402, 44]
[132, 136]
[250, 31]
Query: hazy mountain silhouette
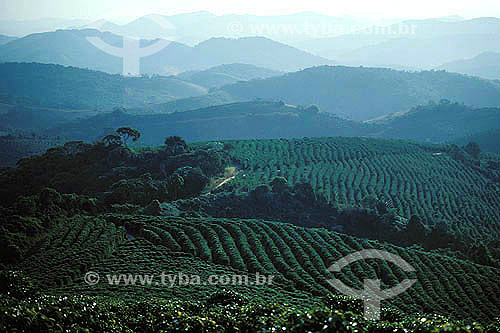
[423, 53]
[21, 28]
[438, 122]
[434, 42]
[249, 120]
[485, 65]
[363, 93]
[193, 28]
[227, 74]
[5, 39]
[487, 140]
[71, 48]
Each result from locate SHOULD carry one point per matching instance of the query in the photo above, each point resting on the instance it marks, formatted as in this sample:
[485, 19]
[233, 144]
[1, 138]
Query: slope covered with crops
[430, 181]
[297, 257]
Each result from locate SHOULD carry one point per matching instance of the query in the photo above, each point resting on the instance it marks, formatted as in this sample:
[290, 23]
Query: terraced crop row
[418, 179]
[141, 257]
[71, 249]
[299, 258]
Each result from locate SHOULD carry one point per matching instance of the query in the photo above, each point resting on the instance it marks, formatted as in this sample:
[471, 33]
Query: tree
[175, 185]
[176, 145]
[456, 153]
[416, 229]
[127, 132]
[194, 181]
[313, 109]
[112, 140]
[370, 202]
[473, 149]
[279, 184]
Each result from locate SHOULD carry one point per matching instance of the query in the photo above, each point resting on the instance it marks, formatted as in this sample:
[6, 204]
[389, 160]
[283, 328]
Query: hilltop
[243, 120]
[438, 122]
[226, 74]
[71, 48]
[74, 88]
[360, 93]
[484, 65]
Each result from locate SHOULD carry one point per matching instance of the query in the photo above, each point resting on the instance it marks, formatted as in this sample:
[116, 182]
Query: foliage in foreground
[223, 311]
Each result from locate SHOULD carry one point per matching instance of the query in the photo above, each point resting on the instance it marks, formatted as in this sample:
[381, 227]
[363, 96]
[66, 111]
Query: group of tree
[122, 136]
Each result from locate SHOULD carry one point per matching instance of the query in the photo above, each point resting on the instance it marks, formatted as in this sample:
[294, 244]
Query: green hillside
[244, 120]
[214, 98]
[438, 122]
[361, 93]
[298, 258]
[431, 181]
[227, 74]
[117, 211]
[487, 140]
[483, 65]
[15, 147]
[72, 88]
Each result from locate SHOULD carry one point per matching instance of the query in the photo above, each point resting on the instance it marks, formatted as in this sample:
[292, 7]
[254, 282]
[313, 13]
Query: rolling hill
[432, 43]
[21, 28]
[298, 259]
[71, 48]
[434, 182]
[442, 122]
[73, 88]
[488, 140]
[52, 240]
[365, 93]
[422, 53]
[242, 120]
[26, 118]
[82, 234]
[484, 65]
[219, 116]
[257, 51]
[5, 39]
[193, 28]
[15, 147]
[226, 74]
[214, 98]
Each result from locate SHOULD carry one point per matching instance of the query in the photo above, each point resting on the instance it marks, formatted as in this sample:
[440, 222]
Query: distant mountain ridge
[244, 120]
[227, 74]
[422, 53]
[435, 123]
[357, 93]
[21, 28]
[71, 48]
[432, 43]
[438, 122]
[485, 65]
[362, 93]
[6, 39]
[193, 28]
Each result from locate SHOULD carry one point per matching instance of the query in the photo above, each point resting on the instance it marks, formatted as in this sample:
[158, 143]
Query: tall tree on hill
[127, 133]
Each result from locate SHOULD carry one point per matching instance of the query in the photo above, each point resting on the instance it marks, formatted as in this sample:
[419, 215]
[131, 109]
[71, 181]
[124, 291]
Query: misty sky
[109, 9]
